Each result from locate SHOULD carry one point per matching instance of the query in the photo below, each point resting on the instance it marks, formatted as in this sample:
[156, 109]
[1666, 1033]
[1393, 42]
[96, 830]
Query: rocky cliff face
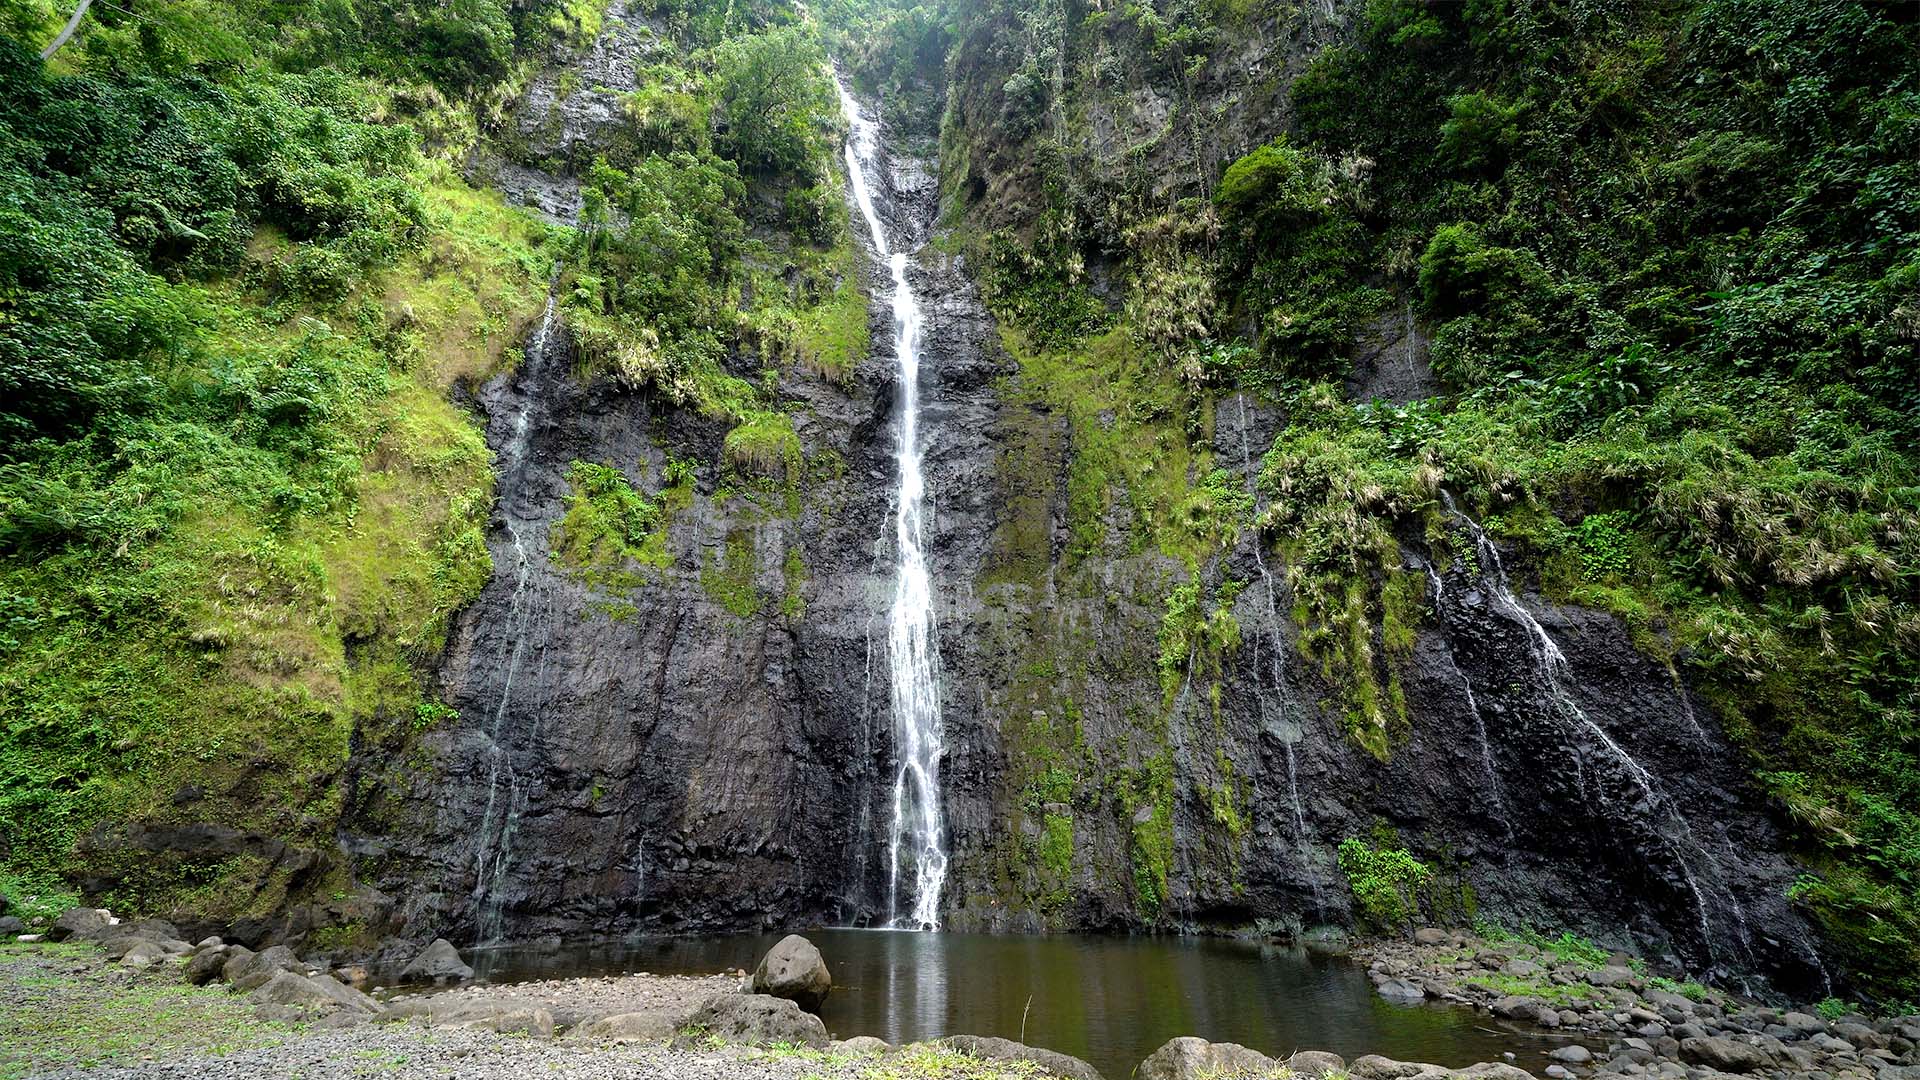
[663, 757]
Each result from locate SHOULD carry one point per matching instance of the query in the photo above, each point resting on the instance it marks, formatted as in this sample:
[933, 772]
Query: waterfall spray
[916, 842]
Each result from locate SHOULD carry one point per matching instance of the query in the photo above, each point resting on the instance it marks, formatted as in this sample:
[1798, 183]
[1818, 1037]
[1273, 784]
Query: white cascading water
[496, 841]
[917, 841]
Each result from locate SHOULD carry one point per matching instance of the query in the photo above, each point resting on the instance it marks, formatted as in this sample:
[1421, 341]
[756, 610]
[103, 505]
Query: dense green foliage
[238, 278]
[233, 503]
[1672, 285]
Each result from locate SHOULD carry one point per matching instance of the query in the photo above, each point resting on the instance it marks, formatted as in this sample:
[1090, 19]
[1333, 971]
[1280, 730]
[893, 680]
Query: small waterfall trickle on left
[917, 838]
[1283, 691]
[506, 799]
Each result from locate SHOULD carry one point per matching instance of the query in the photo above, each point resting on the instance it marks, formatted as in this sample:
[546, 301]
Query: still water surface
[1109, 1000]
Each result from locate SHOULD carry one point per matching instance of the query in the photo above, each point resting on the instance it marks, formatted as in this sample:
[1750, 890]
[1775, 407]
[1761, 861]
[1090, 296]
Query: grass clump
[1386, 880]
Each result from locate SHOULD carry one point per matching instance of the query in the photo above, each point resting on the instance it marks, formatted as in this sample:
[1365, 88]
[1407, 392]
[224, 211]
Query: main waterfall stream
[913, 656]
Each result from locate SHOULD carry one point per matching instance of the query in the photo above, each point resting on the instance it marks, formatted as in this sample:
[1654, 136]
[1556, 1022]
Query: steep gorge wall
[659, 755]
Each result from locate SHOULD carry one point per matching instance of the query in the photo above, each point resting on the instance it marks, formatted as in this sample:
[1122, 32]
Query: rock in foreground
[992, 1049]
[756, 1019]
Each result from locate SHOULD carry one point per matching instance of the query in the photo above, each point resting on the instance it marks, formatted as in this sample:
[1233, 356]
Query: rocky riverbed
[1641, 1023]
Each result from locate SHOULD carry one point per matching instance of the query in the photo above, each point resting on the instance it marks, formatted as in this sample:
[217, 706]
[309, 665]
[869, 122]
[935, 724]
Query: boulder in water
[437, 963]
[794, 969]
[992, 1049]
[1401, 990]
[753, 1019]
[1188, 1058]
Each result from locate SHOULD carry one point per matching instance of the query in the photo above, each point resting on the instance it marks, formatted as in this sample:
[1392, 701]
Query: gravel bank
[409, 1051]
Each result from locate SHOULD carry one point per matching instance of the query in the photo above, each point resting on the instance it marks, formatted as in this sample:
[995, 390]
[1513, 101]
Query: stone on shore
[1401, 990]
[860, 1044]
[1375, 1067]
[1314, 1063]
[206, 965]
[438, 963]
[250, 971]
[1724, 1054]
[628, 1027]
[754, 1019]
[794, 969]
[81, 923]
[1052, 1062]
[316, 992]
[1188, 1058]
[1531, 1010]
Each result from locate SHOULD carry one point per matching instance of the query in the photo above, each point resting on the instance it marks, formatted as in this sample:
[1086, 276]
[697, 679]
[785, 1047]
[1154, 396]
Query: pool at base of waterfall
[1109, 1000]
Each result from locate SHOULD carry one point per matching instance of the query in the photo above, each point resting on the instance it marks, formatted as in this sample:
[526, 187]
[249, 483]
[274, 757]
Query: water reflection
[1109, 1000]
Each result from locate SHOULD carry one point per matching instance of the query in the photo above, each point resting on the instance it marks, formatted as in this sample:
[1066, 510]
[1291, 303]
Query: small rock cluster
[276, 979]
[1646, 1031]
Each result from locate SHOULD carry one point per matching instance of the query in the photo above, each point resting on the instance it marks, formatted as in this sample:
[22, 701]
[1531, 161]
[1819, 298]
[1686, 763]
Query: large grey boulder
[9, 925]
[319, 991]
[753, 1018]
[437, 963]
[251, 971]
[1723, 1054]
[794, 969]
[1050, 1061]
[1188, 1058]
[143, 954]
[81, 923]
[205, 966]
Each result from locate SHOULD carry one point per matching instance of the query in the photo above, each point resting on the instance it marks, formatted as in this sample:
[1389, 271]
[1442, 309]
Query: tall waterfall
[917, 841]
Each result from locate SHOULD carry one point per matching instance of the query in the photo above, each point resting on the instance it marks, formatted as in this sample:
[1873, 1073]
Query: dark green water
[1109, 1000]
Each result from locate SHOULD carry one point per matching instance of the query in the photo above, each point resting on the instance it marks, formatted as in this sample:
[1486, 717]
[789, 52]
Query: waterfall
[494, 853]
[1284, 692]
[913, 657]
[1494, 786]
[1556, 674]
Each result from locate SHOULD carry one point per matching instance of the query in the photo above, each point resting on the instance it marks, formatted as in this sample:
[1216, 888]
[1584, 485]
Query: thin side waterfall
[1283, 691]
[916, 843]
[1557, 674]
[495, 851]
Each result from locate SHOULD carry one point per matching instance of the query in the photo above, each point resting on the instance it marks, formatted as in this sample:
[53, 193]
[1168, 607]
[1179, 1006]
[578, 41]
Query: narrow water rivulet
[916, 844]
